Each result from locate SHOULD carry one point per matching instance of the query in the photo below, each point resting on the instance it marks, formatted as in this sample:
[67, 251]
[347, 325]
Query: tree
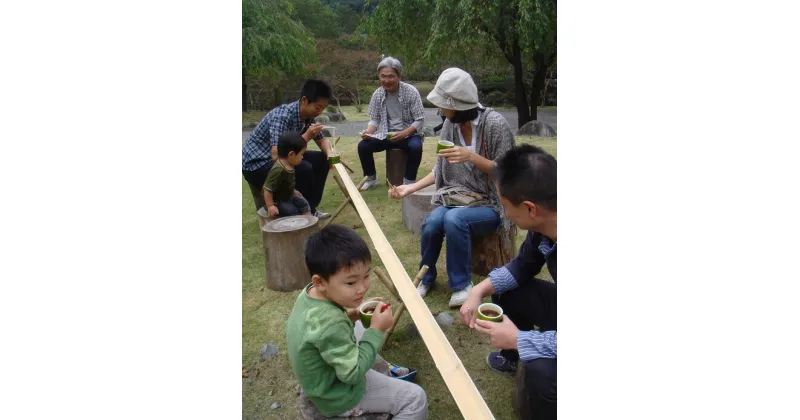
[274, 43]
[523, 32]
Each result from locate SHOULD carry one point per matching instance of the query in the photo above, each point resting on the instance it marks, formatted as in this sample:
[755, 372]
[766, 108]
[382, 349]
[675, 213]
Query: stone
[268, 351]
[536, 128]
[334, 117]
[275, 405]
[411, 331]
[444, 319]
[428, 132]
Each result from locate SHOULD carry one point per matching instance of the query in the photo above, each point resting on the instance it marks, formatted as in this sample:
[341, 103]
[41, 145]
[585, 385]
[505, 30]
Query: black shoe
[500, 364]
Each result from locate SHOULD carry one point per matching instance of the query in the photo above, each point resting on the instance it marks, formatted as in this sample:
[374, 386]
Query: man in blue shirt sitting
[526, 182]
[260, 151]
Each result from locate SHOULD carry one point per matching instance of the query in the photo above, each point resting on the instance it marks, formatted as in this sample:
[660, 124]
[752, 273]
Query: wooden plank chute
[466, 395]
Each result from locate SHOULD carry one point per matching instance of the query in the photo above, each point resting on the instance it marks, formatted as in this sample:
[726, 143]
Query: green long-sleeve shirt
[325, 358]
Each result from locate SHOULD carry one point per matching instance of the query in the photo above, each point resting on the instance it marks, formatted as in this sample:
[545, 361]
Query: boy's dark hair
[527, 173]
[464, 116]
[314, 89]
[333, 248]
[290, 142]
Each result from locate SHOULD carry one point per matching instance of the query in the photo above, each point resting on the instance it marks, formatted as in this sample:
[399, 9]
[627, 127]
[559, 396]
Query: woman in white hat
[468, 200]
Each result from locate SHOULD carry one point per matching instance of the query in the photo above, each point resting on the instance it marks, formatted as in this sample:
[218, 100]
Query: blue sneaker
[500, 364]
[402, 373]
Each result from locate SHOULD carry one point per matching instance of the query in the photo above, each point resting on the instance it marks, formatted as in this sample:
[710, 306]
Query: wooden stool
[393, 290]
[416, 206]
[396, 165]
[489, 252]
[284, 239]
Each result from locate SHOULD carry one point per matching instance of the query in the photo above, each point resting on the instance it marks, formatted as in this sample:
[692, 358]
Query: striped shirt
[410, 101]
[530, 344]
[257, 150]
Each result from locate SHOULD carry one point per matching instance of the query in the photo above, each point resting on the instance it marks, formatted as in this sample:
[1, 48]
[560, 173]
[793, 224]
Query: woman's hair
[464, 116]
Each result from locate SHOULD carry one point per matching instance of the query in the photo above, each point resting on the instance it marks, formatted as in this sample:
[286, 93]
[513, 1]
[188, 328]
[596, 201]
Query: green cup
[444, 144]
[365, 311]
[389, 136]
[490, 312]
[333, 158]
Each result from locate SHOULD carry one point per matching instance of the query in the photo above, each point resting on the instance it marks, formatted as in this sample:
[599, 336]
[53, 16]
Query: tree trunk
[521, 100]
[539, 74]
[284, 239]
[244, 92]
[416, 206]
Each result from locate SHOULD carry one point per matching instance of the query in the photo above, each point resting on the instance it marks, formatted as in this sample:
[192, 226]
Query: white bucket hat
[454, 90]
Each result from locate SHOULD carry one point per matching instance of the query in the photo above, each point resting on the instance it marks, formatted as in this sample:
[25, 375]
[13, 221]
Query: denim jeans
[412, 145]
[292, 207]
[458, 225]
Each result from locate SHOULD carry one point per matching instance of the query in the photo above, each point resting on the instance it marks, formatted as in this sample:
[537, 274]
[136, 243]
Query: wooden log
[455, 376]
[416, 206]
[489, 252]
[284, 239]
[396, 165]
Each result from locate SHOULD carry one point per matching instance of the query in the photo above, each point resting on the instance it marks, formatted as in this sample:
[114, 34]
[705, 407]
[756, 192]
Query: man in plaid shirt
[395, 108]
[261, 149]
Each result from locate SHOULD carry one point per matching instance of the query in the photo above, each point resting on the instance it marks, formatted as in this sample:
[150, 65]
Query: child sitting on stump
[331, 364]
[280, 196]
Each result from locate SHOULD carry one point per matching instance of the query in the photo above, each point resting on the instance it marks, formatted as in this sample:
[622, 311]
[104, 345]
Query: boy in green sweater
[331, 364]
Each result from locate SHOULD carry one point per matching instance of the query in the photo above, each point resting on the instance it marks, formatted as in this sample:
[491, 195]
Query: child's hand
[353, 314]
[272, 211]
[382, 317]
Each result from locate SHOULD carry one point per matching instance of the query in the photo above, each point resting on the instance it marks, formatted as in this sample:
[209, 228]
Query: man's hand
[272, 211]
[400, 135]
[502, 334]
[365, 136]
[382, 317]
[469, 310]
[313, 131]
[399, 191]
[456, 154]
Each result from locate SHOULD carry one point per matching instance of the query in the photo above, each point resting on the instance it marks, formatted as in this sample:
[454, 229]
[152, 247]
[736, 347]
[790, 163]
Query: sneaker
[402, 373]
[423, 289]
[370, 184]
[459, 297]
[321, 215]
[500, 364]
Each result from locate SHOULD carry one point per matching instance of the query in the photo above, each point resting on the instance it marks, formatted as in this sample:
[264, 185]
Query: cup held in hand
[490, 312]
[334, 158]
[444, 144]
[365, 311]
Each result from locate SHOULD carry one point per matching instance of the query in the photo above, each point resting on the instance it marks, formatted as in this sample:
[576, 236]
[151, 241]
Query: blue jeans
[292, 207]
[458, 225]
[412, 145]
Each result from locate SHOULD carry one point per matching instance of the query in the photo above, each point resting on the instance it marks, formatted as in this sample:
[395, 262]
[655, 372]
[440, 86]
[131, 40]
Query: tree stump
[284, 239]
[396, 165]
[416, 206]
[309, 412]
[489, 253]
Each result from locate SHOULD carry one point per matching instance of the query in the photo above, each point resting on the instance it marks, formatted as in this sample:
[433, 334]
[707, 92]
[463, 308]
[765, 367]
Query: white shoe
[422, 289]
[370, 184]
[458, 298]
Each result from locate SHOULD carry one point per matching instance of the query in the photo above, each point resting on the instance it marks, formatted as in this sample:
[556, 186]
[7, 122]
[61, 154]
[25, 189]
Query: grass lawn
[349, 111]
[264, 311]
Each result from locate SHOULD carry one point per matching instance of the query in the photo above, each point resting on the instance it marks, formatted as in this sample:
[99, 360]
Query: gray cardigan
[457, 177]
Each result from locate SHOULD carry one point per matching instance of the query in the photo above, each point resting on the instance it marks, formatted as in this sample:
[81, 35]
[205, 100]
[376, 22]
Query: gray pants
[384, 394]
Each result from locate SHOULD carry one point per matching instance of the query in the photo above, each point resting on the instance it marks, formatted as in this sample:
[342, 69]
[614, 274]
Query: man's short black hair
[527, 173]
[333, 248]
[290, 142]
[464, 116]
[314, 89]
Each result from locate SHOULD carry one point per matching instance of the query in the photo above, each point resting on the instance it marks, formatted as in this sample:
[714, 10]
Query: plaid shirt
[409, 99]
[257, 150]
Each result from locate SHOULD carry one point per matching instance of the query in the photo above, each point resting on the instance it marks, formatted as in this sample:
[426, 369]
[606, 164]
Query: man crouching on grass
[526, 183]
[332, 365]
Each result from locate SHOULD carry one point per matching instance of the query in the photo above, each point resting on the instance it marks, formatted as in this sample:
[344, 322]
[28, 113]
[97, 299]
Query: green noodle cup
[334, 158]
[365, 311]
[389, 136]
[444, 144]
[490, 312]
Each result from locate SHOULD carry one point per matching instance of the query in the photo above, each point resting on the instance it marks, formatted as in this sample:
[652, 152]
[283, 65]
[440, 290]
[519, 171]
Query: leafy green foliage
[274, 43]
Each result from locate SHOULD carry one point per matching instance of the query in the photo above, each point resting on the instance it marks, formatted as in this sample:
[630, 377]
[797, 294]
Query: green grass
[349, 111]
[264, 311]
